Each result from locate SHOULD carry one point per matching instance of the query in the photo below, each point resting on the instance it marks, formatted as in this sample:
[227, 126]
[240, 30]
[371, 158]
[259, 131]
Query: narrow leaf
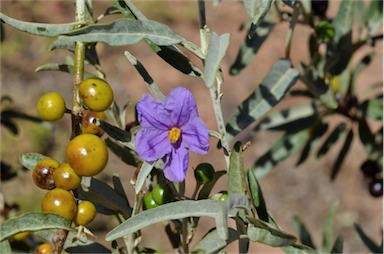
[368, 241]
[236, 178]
[279, 79]
[67, 68]
[368, 140]
[5, 247]
[212, 243]
[316, 134]
[207, 188]
[262, 7]
[302, 231]
[282, 149]
[262, 232]
[32, 222]
[337, 245]
[144, 171]
[173, 211]
[257, 196]
[104, 195]
[152, 86]
[293, 119]
[250, 47]
[335, 135]
[328, 228]
[41, 29]
[298, 249]
[343, 152]
[216, 52]
[124, 32]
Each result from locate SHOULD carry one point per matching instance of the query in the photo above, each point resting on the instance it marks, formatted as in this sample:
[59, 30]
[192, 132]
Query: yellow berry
[51, 106]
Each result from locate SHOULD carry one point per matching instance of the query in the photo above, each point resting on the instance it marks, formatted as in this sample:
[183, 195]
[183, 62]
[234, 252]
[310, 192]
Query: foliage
[329, 83]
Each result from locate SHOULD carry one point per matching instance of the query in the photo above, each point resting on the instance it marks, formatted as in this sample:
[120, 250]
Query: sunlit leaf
[144, 171]
[368, 241]
[212, 243]
[298, 249]
[216, 52]
[374, 16]
[174, 211]
[333, 137]
[32, 222]
[262, 232]
[343, 153]
[257, 10]
[302, 231]
[124, 32]
[282, 149]
[250, 47]
[29, 160]
[42, 29]
[236, 177]
[293, 119]
[272, 89]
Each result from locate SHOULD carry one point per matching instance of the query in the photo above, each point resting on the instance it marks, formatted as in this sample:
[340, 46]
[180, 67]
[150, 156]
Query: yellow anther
[174, 134]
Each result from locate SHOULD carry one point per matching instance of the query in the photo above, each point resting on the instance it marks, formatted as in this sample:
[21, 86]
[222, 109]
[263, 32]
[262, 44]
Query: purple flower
[171, 128]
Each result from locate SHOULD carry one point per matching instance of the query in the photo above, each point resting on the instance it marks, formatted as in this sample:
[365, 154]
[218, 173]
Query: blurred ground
[305, 191]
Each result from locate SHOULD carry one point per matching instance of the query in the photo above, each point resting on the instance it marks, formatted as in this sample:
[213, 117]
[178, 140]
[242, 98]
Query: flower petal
[152, 144]
[151, 113]
[195, 136]
[181, 105]
[176, 165]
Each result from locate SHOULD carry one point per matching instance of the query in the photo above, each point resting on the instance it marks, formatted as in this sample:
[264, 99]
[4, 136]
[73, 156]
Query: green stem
[78, 71]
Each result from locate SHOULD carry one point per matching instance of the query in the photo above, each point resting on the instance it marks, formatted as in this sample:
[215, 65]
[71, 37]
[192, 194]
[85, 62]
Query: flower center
[174, 135]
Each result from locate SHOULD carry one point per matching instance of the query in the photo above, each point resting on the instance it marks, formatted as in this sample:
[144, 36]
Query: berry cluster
[86, 154]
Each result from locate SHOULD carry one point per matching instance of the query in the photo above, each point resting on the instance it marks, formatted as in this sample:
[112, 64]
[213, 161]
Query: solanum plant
[168, 127]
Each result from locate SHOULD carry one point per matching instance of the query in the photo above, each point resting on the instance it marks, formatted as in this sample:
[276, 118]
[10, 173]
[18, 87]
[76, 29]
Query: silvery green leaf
[262, 232]
[173, 211]
[328, 228]
[282, 149]
[42, 29]
[302, 231]
[124, 32]
[292, 119]
[216, 52]
[257, 9]
[32, 222]
[280, 78]
[333, 137]
[236, 177]
[5, 247]
[144, 171]
[372, 108]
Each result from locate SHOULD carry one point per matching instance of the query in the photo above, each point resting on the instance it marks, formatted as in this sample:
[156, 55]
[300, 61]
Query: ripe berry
[60, 202]
[51, 106]
[86, 213]
[42, 174]
[204, 173]
[87, 154]
[66, 178]
[162, 194]
[44, 248]
[376, 187]
[87, 124]
[148, 202]
[96, 94]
